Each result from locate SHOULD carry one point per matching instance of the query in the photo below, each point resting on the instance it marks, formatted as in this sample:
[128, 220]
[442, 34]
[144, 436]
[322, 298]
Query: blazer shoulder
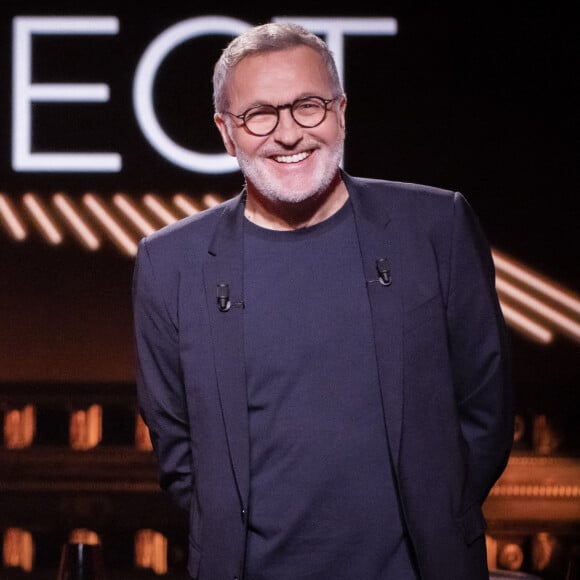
[187, 234]
[401, 191]
[401, 200]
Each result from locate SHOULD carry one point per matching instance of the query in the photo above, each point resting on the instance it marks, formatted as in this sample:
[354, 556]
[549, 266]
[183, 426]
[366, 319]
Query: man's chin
[293, 198]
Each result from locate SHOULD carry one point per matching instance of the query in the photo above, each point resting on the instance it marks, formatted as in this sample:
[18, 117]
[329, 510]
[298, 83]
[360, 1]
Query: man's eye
[308, 106]
[259, 112]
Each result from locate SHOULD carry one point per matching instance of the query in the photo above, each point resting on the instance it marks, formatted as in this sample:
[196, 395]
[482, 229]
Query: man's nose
[288, 130]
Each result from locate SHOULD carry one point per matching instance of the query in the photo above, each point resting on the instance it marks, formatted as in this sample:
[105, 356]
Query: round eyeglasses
[261, 120]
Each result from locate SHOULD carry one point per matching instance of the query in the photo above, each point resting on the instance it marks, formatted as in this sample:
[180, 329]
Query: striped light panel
[532, 304]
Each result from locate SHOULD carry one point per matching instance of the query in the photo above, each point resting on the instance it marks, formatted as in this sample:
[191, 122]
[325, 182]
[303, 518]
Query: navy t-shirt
[322, 498]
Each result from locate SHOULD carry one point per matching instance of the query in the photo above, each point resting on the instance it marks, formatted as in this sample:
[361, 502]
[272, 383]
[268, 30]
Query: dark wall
[475, 98]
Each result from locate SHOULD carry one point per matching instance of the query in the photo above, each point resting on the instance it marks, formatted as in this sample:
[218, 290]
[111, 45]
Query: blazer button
[244, 515]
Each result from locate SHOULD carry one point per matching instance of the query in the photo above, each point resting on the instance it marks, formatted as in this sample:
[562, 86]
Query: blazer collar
[378, 241]
[224, 266]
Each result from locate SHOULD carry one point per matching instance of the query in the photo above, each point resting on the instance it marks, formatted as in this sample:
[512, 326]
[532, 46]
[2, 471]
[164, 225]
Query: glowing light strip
[128, 208]
[536, 490]
[533, 302]
[69, 212]
[185, 204]
[566, 324]
[537, 283]
[159, 209]
[211, 200]
[47, 227]
[526, 325]
[11, 220]
[118, 235]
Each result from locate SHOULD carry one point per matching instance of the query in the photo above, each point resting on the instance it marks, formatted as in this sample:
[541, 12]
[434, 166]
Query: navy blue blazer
[440, 344]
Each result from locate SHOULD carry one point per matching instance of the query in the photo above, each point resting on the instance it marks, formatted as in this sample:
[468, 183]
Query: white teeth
[291, 158]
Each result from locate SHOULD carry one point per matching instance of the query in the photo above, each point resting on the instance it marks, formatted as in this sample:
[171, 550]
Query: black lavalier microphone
[223, 297]
[384, 270]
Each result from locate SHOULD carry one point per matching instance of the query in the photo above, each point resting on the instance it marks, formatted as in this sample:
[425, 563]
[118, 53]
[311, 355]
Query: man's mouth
[292, 158]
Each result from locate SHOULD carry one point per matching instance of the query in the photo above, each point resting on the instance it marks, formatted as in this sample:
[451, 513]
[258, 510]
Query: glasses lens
[309, 112]
[261, 120]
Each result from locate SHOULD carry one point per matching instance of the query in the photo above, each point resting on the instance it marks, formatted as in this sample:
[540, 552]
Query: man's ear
[342, 112]
[223, 129]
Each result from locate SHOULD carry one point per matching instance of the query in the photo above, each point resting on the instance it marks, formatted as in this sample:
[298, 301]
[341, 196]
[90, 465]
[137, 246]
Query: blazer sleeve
[160, 390]
[480, 352]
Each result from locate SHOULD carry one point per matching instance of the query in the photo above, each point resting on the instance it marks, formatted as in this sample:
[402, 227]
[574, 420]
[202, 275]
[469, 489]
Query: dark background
[480, 98]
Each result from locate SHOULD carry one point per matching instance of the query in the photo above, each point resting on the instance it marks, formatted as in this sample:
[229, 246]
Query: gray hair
[269, 37]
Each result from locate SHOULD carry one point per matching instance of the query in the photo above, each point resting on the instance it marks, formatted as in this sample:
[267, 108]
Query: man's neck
[279, 215]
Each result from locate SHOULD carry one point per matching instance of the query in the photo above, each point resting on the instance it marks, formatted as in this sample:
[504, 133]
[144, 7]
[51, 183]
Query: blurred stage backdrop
[107, 135]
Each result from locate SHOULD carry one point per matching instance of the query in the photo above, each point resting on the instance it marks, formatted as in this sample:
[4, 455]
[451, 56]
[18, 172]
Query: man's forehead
[285, 74]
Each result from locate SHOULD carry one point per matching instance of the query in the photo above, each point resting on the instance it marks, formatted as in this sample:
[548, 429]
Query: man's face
[293, 163]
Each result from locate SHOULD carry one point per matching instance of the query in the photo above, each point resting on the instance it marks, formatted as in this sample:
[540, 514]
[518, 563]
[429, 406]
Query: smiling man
[292, 177]
[322, 360]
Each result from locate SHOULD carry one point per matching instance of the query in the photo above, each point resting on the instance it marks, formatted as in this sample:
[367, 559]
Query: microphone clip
[223, 297]
[384, 270]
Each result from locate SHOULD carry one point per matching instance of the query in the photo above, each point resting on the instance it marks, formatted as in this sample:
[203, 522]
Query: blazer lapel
[377, 242]
[224, 265]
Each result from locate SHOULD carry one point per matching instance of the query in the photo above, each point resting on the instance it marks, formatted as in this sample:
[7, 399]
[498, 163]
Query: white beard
[256, 172]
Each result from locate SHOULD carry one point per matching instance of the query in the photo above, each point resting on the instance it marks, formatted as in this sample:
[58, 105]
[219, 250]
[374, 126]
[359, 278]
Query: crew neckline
[337, 217]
